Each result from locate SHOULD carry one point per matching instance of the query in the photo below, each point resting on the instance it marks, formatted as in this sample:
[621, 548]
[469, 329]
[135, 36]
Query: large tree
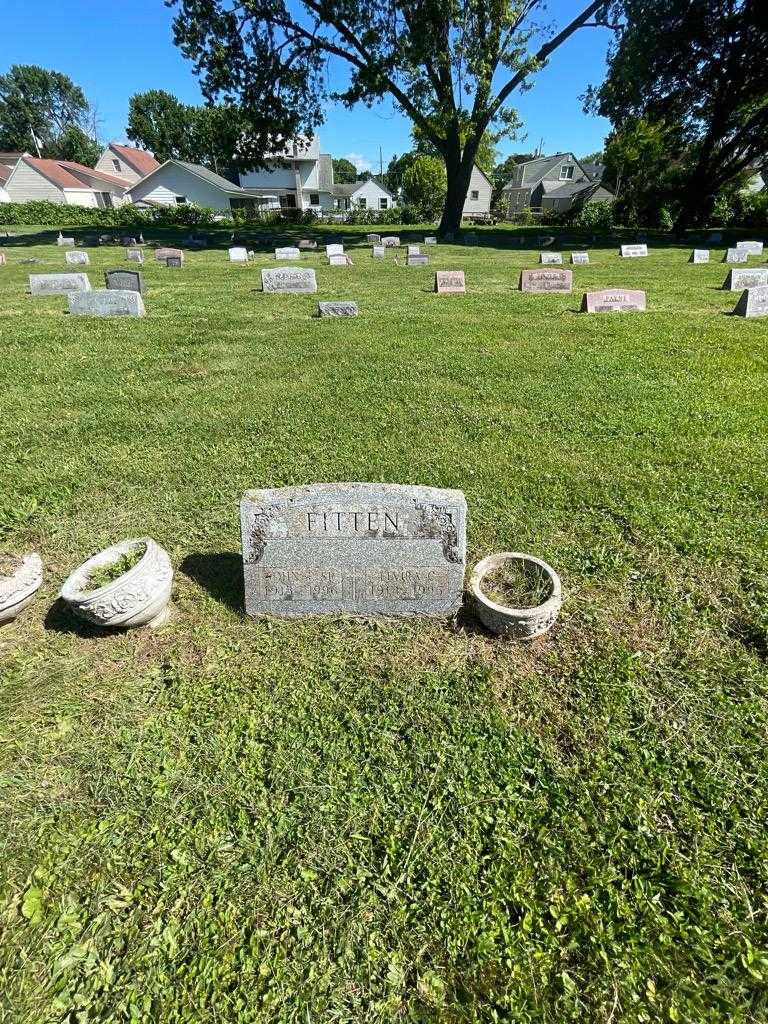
[344, 171]
[37, 107]
[699, 67]
[450, 65]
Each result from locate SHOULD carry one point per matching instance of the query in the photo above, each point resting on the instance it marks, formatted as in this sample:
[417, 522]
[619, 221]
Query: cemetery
[365, 586]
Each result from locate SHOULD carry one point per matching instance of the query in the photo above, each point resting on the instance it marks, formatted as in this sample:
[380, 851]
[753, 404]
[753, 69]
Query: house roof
[64, 173]
[5, 173]
[571, 189]
[348, 189]
[9, 159]
[593, 171]
[201, 172]
[534, 170]
[141, 161]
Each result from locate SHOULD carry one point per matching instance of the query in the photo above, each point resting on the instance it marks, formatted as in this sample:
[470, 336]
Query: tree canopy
[424, 184]
[450, 65]
[45, 108]
[344, 171]
[696, 69]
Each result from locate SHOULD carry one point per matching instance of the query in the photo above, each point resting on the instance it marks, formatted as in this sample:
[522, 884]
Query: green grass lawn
[351, 821]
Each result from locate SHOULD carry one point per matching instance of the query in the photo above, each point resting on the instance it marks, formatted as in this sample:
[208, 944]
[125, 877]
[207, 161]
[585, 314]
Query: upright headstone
[106, 302]
[546, 281]
[61, 240]
[161, 255]
[334, 249]
[288, 252]
[296, 280]
[174, 262]
[450, 282]
[77, 256]
[414, 250]
[699, 256]
[579, 258]
[124, 281]
[338, 308]
[752, 248]
[390, 242]
[238, 254]
[378, 252]
[134, 255]
[753, 302]
[632, 251]
[353, 548]
[430, 240]
[613, 300]
[373, 239]
[338, 259]
[736, 256]
[419, 260]
[737, 280]
[58, 284]
[550, 257]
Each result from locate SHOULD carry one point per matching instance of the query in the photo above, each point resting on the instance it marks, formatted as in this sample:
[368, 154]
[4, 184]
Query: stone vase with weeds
[516, 594]
[20, 579]
[122, 587]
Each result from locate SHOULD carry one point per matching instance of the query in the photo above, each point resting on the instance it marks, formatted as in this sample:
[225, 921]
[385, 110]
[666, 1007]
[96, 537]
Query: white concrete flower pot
[18, 589]
[137, 598]
[521, 623]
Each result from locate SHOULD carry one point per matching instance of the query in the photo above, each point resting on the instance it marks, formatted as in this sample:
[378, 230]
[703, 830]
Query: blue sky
[114, 50]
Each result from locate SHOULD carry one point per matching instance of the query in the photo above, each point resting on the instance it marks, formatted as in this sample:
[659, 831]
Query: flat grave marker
[337, 308]
[450, 282]
[291, 280]
[106, 302]
[288, 252]
[124, 280]
[614, 300]
[753, 302]
[58, 284]
[544, 281]
[579, 258]
[353, 548]
[738, 279]
[633, 251]
[699, 256]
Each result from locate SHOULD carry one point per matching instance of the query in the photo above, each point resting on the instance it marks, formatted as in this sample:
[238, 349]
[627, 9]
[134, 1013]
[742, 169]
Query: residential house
[477, 205]
[363, 195]
[298, 177]
[7, 162]
[554, 183]
[63, 181]
[177, 182]
[127, 162]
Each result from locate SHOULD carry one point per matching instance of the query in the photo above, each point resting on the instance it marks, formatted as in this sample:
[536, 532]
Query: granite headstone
[614, 300]
[294, 280]
[106, 302]
[736, 256]
[752, 248]
[161, 255]
[753, 302]
[450, 282]
[632, 251]
[124, 280]
[579, 258]
[288, 252]
[58, 284]
[337, 308]
[753, 277]
[134, 255]
[546, 281]
[699, 256]
[238, 254]
[77, 256]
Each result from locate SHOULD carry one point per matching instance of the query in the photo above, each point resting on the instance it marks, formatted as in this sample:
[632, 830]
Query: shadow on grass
[220, 573]
[61, 619]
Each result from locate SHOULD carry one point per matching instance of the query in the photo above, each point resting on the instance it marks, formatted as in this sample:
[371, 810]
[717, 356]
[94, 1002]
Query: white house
[298, 177]
[7, 162]
[478, 201]
[62, 181]
[363, 195]
[127, 162]
[177, 182]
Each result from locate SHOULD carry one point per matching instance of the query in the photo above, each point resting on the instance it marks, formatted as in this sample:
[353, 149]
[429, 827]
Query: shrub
[722, 212]
[55, 214]
[665, 219]
[596, 216]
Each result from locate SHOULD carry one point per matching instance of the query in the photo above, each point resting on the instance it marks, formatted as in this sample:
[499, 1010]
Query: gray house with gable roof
[554, 183]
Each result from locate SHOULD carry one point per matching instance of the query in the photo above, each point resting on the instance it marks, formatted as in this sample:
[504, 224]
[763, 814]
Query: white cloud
[360, 162]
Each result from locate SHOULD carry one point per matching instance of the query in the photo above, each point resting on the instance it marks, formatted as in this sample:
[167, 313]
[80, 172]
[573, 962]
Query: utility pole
[381, 165]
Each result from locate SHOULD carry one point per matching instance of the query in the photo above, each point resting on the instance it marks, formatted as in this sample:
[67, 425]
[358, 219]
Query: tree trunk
[458, 171]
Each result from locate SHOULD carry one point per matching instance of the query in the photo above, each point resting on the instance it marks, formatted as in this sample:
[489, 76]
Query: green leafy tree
[39, 104]
[598, 157]
[77, 146]
[396, 168]
[699, 65]
[344, 171]
[425, 184]
[643, 163]
[451, 66]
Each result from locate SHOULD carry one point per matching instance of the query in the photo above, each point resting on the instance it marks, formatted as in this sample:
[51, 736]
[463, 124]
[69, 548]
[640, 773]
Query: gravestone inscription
[633, 251]
[579, 258]
[378, 252]
[288, 252]
[414, 250]
[174, 262]
[296, 280]
[546, 281]
[390, 242]
[338, 308]
[740, 279]
[736, 256]
[77, 256]
[106, 302]
[753, 302]
[450, 282]
[550, 257]
[430, 240]
[58, 284]
[124, 280]
[353, 548]
[699, 256]
[613, 300]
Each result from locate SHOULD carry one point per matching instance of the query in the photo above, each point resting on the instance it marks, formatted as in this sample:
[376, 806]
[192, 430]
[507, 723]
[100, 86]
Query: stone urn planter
[505, 619]
[20, 579]
[99, 591]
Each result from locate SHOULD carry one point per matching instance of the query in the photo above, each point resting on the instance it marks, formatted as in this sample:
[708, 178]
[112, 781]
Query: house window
[362, 203]
[180, 200]
[474, 194]
[117, 166]
[566, 172]
[104, 200]
[288, 202]
[314, 198]
[382, 204]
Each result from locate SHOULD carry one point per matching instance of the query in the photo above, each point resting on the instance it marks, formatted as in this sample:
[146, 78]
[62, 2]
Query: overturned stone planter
[19, 586]
[505, 620]
[137, 597]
